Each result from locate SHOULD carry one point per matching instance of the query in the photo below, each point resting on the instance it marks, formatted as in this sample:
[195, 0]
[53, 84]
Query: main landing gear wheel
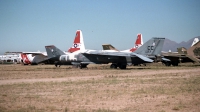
[82, 66]
[122, 66]
[167, 64]
[113, 66]
[175, 63]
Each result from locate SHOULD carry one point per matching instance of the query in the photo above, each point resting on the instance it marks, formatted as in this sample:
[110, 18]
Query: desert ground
[151, 88]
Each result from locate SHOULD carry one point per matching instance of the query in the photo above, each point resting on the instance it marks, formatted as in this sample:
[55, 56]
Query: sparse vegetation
[99, 89]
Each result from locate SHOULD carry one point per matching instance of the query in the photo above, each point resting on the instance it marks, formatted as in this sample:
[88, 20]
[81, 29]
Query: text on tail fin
[151, 47]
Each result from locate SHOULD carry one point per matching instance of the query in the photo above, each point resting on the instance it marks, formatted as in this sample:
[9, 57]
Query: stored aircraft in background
[183, 55]
[41, 57]
[145, 54]
[195, 41]
[10, 58]
[138, 43]
[33, 58]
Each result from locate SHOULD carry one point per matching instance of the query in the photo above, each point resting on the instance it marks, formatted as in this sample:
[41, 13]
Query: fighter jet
[182, 55]
[145, 54]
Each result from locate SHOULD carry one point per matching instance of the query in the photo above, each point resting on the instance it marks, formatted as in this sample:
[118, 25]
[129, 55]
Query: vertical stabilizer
[195, 41]
[109, 47]
[151, 47]
[78, 42]
[138, 42]
[53, 51]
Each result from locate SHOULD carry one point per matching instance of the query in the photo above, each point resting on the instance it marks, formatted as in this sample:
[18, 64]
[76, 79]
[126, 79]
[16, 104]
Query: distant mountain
[172, 45]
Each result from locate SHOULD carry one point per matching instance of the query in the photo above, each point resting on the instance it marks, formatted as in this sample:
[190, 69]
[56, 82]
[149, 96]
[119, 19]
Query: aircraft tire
[167, 64]
[82, 66]
[175, 64]
[113, 66]
[122, 66]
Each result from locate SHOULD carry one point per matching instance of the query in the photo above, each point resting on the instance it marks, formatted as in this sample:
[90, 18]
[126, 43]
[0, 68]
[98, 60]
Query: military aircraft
[77, 47]
[41, 57]
[183, 55]
[138, 43]
[33, 58]
[195, 41]
[145, 54]
[10, 58]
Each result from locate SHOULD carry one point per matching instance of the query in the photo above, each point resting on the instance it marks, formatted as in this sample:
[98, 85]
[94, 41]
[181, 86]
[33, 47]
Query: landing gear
[113, 66]
[167, 63]
[170, 63]
[120, 65]
[58, 64]
[175, 63]
[82, 66]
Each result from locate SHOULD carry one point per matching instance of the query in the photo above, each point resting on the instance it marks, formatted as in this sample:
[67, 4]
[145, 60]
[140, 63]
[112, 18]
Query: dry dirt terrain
[151, 88]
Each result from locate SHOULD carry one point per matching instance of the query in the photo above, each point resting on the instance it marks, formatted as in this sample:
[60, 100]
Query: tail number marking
[149, 49]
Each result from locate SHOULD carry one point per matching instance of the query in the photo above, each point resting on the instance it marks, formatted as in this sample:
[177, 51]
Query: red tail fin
[76, 44]
[77, 37]
[139, 39]
[138, 42]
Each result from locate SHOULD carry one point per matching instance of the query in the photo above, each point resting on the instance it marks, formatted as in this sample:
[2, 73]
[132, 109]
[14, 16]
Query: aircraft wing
[117, 57]
[181, 58]
[35, 53]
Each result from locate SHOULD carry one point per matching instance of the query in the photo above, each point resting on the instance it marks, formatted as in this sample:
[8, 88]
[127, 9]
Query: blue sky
[29, 25]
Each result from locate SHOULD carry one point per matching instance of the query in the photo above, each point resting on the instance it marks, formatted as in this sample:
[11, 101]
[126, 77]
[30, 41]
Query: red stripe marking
[73, 49]
[25, 58]
[133, 49]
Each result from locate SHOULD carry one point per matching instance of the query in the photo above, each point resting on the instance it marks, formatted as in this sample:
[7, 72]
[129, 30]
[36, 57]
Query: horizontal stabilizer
[165, 59]
[143, 57]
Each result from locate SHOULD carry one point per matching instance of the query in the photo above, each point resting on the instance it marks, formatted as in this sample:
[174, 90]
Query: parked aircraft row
[144, 54]
[174, 58]
[81, 58]
[78, 56]
[78, 46]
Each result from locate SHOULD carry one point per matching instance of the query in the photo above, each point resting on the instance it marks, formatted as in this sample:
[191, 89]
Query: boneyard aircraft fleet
[80, 57]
